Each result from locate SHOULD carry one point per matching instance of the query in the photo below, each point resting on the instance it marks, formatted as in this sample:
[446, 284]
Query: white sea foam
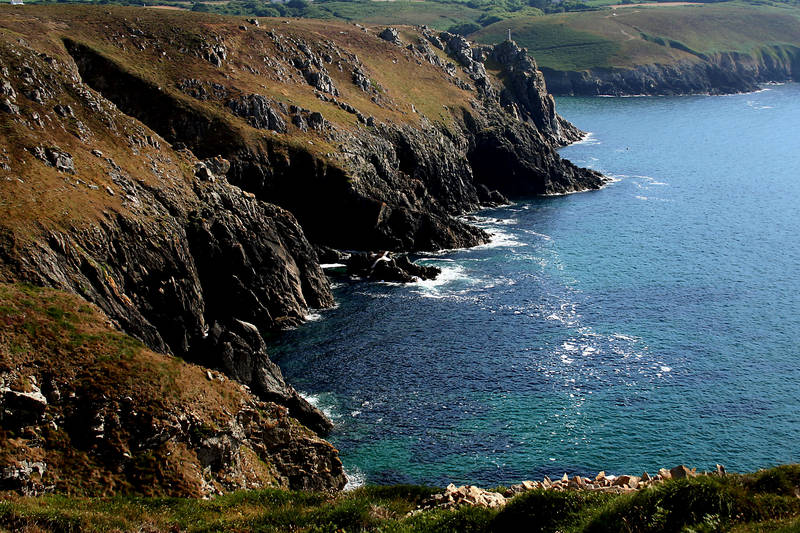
[500, 239]
[317, 401]
[312, 317]
[332, 265]
[589, 139]
[355, 478]
[666, 369]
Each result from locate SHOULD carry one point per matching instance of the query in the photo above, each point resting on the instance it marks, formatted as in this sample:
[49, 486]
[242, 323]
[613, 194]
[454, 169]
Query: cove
[651, 323]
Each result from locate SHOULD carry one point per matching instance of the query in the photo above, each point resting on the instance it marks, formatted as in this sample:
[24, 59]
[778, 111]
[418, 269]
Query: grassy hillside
[85, 409]
[765, 501]
[168, 49]
[631, 36]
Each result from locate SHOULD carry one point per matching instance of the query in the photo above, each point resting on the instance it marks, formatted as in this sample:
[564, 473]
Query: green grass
[632, 36]
[437, 15]
[764, 501]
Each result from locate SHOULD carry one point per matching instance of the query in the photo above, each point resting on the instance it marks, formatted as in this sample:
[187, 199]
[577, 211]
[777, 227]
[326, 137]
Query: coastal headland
[170, 184]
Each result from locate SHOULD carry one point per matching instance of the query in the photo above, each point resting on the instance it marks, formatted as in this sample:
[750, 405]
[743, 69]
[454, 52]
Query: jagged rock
[320, 80]
[8, 107]
[55, 157]
[203, 173]
[525, 87]
[391, 35]
[7, 90]
[215, 54]
[388, 267]
[431, 37]
[64, 111]
[490, 198]
[330, 255]
[316, 121]
[24, 477]
[218, 166]
[18, 408]
[454, 497]
[459, 47]
[360, 80]
[300, 122]
[259, 112]
[681, 472]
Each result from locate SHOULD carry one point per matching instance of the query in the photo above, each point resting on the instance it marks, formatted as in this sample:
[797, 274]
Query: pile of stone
[603, 482]
[454, 497]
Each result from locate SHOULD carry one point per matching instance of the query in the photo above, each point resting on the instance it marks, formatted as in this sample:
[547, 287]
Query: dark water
[652, 323]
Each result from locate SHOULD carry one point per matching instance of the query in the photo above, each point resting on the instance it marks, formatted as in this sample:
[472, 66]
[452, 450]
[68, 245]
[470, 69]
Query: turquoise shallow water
[651, 323]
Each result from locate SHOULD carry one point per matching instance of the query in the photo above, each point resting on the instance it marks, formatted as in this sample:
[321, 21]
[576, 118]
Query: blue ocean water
[651, 323]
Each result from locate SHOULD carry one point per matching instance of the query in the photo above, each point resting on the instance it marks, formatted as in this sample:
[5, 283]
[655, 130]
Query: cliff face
[721, 73]
[86, 410]
[175, 169]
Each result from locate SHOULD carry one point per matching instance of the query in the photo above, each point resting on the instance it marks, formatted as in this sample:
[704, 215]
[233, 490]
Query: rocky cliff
[180, 171]
[719, 73]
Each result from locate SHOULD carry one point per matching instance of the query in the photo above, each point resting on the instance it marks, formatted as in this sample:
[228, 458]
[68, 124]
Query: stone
[391, 35]
[217, 165]
[259, 112]
[8, 107]
[664, 473]
[7, 90]
[681, 472]
[55, 157]
[64, 111]
[21, 408]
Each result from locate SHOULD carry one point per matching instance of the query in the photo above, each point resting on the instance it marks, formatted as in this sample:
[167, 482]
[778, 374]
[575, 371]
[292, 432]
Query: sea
[651, 323]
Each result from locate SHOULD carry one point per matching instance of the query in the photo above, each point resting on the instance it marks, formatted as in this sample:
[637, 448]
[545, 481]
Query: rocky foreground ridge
[454, 497]
[183, 172]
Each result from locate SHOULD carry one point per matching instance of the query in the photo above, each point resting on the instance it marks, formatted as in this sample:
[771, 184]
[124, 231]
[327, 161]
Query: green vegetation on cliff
[86, 409]
[764, 501]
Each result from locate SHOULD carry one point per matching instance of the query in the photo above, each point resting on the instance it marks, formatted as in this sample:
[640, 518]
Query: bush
[464, 29]
[544, 510]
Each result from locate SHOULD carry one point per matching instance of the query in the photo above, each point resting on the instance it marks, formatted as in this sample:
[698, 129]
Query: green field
[434, 14]
[631, 36]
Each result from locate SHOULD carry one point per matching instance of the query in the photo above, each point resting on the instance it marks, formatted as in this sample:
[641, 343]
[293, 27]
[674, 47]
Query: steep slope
[88, 410]
[179, 170]
[709, 48]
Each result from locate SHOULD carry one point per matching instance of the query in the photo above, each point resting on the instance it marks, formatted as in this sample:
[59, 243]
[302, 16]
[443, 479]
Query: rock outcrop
[388, 267]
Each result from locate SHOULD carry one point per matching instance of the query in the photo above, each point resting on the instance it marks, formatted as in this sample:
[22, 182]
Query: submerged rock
[388, 267]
